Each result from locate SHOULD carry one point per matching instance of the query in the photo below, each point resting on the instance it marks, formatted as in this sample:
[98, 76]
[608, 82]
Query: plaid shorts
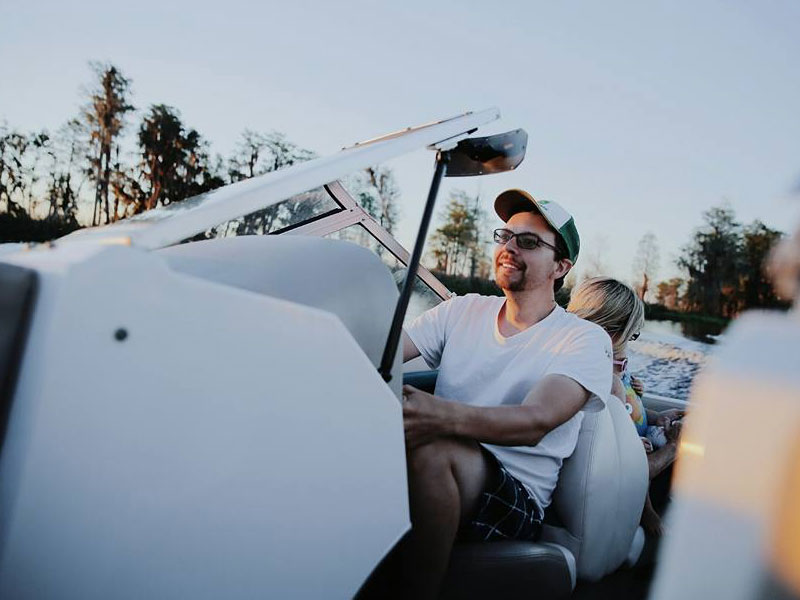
[506, 511]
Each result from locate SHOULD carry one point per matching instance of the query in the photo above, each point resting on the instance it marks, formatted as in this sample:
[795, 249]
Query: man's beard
[516, 286]
[513, 285]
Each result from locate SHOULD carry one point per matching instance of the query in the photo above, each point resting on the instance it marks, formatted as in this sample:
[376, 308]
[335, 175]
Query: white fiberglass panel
[422, 296]
[229, 445]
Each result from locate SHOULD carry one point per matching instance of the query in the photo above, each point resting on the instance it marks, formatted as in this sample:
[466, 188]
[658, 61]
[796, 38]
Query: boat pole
[396, 329]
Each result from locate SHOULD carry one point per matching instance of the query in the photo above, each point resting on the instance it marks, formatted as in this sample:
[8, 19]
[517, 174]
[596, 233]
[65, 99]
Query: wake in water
[667, 364]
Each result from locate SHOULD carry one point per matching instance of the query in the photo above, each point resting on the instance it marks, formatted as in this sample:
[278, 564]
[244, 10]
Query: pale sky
[640, 116]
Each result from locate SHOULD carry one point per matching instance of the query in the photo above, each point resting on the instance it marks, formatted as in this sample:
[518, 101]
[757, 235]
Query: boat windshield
[332, 211]
[293, 212]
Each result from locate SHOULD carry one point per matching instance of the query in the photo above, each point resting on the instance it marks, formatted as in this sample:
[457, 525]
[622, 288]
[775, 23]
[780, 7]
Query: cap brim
[511, 202]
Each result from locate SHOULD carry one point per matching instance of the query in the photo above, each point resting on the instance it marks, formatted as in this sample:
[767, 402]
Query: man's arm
[553, 401]
[666, 417]
[409, 349]
[660, 459]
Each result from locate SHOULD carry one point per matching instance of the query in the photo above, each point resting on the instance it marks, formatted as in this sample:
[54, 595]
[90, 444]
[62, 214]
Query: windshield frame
[353, 214]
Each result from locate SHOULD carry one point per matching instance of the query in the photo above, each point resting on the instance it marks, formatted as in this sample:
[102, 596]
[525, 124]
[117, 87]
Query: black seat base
[507, 569]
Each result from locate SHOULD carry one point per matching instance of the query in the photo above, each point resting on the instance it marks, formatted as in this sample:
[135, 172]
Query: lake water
[698, 331]
[668, 355]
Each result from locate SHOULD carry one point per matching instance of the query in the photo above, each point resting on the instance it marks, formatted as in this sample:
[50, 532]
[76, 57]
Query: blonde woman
[616, 308]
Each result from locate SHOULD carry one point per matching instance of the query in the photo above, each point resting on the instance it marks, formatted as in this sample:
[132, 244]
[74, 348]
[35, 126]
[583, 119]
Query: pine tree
[104, 115]
[456, 245]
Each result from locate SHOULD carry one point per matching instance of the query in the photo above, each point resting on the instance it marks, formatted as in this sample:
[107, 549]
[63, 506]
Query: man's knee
[444, 454]
[463, 462]
[430, 458]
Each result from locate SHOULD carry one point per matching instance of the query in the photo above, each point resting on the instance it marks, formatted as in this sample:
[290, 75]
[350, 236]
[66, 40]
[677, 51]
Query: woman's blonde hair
[612, 305]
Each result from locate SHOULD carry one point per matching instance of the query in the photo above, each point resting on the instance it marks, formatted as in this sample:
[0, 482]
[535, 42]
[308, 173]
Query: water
[668, 355]
[698, 331]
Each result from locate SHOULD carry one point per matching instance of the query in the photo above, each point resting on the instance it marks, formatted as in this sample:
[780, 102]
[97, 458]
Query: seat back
[600, 493]
[336, 276]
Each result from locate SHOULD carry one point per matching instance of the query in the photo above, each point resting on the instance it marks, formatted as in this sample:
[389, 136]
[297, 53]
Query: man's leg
[446, 480]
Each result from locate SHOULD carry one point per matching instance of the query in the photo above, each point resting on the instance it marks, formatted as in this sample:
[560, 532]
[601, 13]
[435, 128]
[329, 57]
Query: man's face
[517, 269]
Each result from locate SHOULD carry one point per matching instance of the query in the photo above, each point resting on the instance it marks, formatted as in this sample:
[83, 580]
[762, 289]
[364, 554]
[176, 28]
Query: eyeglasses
[616, 331]
[525, 240]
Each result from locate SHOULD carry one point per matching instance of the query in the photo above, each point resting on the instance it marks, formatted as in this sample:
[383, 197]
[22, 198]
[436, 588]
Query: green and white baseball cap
[511, 202]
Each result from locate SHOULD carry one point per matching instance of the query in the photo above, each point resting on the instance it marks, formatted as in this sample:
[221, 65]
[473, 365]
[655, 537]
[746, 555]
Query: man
[514, 374]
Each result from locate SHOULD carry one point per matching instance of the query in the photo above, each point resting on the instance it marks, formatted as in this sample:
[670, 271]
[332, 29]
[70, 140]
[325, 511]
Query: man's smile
[509, 265]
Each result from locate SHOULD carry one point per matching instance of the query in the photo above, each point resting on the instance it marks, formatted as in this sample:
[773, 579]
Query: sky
[640, 116]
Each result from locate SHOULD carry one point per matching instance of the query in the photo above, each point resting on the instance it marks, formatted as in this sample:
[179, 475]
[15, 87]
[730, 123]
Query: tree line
[722, 262]
[85, 175]
[722, 265]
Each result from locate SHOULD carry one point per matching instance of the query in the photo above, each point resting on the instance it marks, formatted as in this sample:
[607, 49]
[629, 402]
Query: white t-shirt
[480, 367]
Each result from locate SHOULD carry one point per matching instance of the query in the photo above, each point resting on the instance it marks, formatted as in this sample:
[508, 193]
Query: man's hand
[673, 432]
[426, 417]
[637, 385]
[666, 417]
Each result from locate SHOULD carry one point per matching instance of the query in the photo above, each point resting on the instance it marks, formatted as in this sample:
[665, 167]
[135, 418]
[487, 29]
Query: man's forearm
[501, 425]
[427, 417]
[662, 458]
[554, 401]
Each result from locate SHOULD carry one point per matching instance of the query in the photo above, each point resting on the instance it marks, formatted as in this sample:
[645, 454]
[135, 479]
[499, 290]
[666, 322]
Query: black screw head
[120, 334]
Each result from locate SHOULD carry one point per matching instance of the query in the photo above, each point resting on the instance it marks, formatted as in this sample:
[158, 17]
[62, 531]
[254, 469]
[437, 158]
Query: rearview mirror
[486, 155]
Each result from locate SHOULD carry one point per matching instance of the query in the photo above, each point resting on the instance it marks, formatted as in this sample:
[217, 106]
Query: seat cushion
[600, 493]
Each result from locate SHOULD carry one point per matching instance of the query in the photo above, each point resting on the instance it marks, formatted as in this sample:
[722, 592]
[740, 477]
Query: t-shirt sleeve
[586, 358]
[429, 331]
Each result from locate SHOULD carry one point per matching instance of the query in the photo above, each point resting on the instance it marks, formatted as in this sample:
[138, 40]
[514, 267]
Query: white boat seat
[333, 275]
[600, 494]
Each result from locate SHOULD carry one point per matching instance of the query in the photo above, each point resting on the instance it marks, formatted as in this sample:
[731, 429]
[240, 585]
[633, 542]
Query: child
[616, 308]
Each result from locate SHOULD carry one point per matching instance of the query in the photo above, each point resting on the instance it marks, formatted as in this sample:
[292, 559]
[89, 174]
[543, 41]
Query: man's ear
[563, 267]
